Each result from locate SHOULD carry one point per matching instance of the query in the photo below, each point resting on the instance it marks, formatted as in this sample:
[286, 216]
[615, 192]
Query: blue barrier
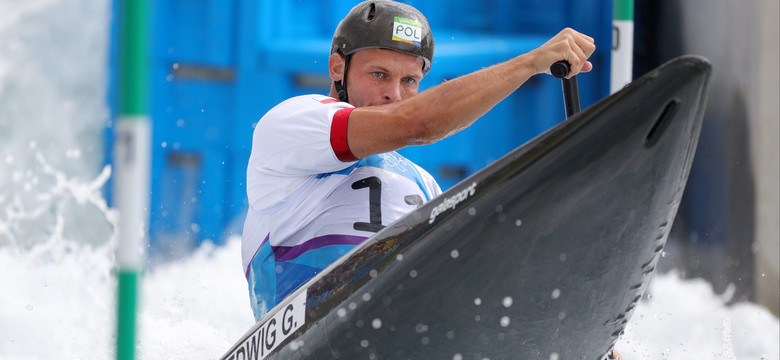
[219, 65]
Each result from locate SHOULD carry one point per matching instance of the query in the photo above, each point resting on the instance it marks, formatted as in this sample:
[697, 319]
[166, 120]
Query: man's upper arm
[297, 137]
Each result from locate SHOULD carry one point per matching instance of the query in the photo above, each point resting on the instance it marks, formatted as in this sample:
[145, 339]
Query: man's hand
[568, 45]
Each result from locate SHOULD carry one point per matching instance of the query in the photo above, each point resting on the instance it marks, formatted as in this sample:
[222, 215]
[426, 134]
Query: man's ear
[336, 66]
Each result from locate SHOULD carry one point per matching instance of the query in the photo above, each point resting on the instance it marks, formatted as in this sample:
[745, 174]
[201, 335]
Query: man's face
[381, 76]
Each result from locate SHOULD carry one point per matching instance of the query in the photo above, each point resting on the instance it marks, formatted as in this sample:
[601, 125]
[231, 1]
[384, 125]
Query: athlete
[323, 175]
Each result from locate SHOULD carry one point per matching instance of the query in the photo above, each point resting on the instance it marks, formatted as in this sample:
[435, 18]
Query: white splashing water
[57, 235]
[687, 320]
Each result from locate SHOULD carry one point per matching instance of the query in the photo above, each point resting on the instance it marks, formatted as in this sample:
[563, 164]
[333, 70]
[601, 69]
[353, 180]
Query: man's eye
[410, 80]
[377, 74]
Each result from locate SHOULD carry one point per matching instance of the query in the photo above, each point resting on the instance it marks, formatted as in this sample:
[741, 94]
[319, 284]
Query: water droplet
[413, 273]
[376, 323]
[399, 257]
[341, 312]
[457, 357]
[295, 345]
[454, 254]
[425, 340]
[477, 301]
[373, 273]
[554, 356]
[367, 297]
[562, 257]
[352, 306]
[561, 315]
[504, 321]
[472, 211]
[164, 144]
[500, 208]
[507, 301]
[421, 328]
[556, 293]
[450, 334]
[518, 223]
[364, 343]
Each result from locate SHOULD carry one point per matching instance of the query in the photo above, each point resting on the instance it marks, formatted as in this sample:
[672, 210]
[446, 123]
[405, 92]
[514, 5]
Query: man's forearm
[454, 105]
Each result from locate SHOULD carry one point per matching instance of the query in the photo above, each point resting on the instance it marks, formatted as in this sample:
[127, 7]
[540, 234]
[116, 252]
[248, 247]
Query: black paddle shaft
[571, 96]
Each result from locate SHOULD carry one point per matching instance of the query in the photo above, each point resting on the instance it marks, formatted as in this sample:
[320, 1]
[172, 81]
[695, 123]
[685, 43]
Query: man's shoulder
[302, 102]
[304, 106]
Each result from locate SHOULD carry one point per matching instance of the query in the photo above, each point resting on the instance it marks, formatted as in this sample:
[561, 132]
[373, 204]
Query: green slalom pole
[132, 152]
[622, 45]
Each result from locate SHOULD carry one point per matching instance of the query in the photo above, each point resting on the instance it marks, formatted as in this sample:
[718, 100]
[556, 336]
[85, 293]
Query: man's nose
[392, 93]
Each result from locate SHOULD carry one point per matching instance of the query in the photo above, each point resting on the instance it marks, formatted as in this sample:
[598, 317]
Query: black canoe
[541, 255]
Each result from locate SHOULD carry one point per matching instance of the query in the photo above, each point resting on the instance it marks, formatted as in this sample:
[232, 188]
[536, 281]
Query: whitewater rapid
[59, 303]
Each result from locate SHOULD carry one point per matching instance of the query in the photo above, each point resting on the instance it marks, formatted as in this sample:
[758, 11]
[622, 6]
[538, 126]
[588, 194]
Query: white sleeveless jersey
[311, 201]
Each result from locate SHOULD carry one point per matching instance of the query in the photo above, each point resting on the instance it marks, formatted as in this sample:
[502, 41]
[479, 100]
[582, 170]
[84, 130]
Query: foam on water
[687, 320]
[57, 235]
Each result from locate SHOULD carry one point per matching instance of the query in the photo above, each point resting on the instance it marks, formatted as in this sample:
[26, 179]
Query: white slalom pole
[622, 45]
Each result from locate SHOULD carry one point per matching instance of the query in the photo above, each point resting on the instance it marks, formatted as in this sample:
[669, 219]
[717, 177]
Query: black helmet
[383, 24]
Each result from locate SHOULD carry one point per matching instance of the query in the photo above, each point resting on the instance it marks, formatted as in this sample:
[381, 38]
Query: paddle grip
[571, 94]
[560, 69]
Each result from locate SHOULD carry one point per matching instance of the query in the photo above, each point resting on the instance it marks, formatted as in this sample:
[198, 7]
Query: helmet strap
[341, 91]
[341, 86]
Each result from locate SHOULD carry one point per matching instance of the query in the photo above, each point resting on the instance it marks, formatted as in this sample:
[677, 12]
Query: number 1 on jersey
[374, 185]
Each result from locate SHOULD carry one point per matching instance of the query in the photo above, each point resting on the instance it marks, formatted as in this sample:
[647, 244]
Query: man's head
[395, 33]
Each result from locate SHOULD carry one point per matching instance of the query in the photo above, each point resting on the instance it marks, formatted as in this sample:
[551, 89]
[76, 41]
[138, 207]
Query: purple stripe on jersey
[249, 266]
[287, 253]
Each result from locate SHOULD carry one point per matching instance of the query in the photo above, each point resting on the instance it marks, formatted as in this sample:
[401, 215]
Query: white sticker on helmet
[407, 30]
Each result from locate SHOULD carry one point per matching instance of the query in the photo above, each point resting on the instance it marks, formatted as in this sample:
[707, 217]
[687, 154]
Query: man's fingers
[587, 67]
[615, 355]
[576, 48]
[568, 45]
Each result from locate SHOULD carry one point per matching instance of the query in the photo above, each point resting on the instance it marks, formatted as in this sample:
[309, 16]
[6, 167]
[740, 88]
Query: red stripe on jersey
[328, 101]
[338, 135]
